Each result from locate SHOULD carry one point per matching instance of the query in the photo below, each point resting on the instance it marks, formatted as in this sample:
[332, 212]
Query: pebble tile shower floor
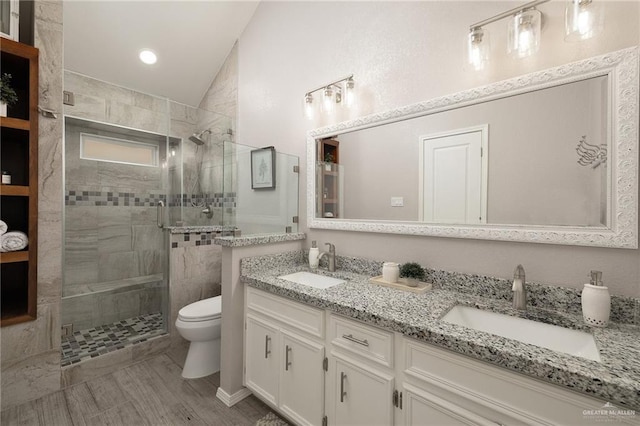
[93, 342]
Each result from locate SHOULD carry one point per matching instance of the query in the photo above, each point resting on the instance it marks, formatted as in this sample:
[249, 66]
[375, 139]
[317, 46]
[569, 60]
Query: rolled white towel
[3, 227]
[13, 241]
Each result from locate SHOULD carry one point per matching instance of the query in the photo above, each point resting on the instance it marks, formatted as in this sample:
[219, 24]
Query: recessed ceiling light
[148, 56]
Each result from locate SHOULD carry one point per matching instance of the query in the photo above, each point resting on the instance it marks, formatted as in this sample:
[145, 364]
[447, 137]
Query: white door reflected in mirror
[453, 176]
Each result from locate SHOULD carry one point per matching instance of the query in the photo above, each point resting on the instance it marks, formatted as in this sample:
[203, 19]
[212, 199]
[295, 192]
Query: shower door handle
[160, 214]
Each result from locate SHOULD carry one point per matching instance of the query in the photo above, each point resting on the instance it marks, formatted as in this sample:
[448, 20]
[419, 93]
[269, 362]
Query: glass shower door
[115, 290]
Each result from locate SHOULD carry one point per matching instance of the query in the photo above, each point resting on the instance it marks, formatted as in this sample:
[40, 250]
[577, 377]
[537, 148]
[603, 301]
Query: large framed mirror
[548, 157]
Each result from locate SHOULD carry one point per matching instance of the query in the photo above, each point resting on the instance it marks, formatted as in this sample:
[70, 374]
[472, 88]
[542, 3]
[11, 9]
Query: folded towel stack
[12, 241]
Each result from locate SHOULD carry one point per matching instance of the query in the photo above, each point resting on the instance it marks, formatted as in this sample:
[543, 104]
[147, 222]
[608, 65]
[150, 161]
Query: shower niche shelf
[19, 200]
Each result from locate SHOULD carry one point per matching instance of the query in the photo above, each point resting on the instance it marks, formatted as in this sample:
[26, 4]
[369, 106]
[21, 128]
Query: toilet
[199, 323]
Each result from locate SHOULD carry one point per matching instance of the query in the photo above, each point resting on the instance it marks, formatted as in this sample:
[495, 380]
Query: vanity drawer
[469, 382]
[296, 315]
[355, 337]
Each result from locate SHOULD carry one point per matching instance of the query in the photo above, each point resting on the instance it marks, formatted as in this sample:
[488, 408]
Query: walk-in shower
[115, 288]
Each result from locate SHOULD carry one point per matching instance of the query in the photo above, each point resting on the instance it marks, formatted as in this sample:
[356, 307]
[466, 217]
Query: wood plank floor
[148, 393]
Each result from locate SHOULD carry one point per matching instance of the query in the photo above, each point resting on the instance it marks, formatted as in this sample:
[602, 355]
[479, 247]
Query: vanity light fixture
[582, 20]
[339, 92]
[478, 47]
[524, 33]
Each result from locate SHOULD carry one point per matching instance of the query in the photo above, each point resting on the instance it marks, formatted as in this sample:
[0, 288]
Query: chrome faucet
[519, 289]
[331, 254]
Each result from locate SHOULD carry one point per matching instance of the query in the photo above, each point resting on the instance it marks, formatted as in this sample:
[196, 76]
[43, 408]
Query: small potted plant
[7, 94]
[329, 159]
[413, 272]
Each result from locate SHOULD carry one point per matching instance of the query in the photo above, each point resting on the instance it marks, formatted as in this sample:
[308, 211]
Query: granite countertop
[615, 379]
[257, 239]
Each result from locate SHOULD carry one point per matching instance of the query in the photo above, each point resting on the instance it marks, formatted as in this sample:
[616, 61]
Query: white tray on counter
[402, 285]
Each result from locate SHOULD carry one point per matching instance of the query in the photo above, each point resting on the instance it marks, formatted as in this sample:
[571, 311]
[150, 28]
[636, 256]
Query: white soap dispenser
[314, 254]
[596, 301]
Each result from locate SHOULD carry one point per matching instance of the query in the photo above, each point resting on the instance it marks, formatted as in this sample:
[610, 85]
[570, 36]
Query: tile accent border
[218, 199]
[192, 239]
[109, 198]
[80, 197]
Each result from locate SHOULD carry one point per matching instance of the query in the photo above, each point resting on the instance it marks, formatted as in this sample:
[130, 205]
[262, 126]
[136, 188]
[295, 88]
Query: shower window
[102, 148]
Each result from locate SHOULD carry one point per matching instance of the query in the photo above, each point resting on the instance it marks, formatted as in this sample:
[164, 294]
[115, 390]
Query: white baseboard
[231, 400]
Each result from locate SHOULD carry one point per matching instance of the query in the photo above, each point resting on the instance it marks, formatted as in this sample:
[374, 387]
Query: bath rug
[13, 241]
[271, 419]
[3, 227]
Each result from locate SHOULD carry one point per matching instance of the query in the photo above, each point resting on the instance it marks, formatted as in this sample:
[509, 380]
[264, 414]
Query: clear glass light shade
[328, 100]
[582, 20]
[524, 33]
[478, 48]
[309, 106]
[349, 94]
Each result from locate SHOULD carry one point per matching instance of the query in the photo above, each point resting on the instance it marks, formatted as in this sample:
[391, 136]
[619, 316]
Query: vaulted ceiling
[102, 39]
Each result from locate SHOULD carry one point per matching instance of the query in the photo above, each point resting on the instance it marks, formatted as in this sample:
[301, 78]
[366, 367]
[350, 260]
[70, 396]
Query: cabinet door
[361, 395]
[301, 379]
[420, 407]
[262, 358]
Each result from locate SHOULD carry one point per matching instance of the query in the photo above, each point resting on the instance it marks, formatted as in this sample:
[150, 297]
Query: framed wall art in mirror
[549, 157]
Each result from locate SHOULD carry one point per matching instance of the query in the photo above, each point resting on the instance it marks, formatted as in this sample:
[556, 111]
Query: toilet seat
[202, 310]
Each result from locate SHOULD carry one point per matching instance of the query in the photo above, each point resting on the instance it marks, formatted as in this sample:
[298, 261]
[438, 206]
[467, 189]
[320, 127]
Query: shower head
[197, 137]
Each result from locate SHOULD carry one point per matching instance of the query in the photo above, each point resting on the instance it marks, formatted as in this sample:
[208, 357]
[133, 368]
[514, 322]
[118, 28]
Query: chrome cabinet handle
[343, 393]
[267, 351]
[160, 214]
[354, 340]
[287, 363]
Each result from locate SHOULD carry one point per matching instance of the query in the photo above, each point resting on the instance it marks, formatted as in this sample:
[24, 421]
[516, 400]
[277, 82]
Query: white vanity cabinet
[302, 379]
[262, 358]
[440, 387]
[357, 394]
[360, 379]
[284, 355]
[373, 377]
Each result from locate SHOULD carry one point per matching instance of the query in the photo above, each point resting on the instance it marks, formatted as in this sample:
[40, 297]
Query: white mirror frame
[621, 67]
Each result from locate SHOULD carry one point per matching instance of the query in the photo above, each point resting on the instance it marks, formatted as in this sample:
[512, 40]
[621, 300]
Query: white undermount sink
[312, 280]
[573, 342]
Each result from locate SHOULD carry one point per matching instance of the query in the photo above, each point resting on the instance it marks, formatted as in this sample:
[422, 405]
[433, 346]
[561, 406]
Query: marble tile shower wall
[110, 237]
[31, 350]
[204, 173]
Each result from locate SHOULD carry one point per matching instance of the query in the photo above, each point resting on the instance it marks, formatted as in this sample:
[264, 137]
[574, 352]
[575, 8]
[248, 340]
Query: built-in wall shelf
[14, 256]
[16, 190]
[15, 123]
[19, 200]
[328, 158]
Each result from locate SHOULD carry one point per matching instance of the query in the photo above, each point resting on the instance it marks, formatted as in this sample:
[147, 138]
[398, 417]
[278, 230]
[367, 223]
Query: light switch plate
[397, 201]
